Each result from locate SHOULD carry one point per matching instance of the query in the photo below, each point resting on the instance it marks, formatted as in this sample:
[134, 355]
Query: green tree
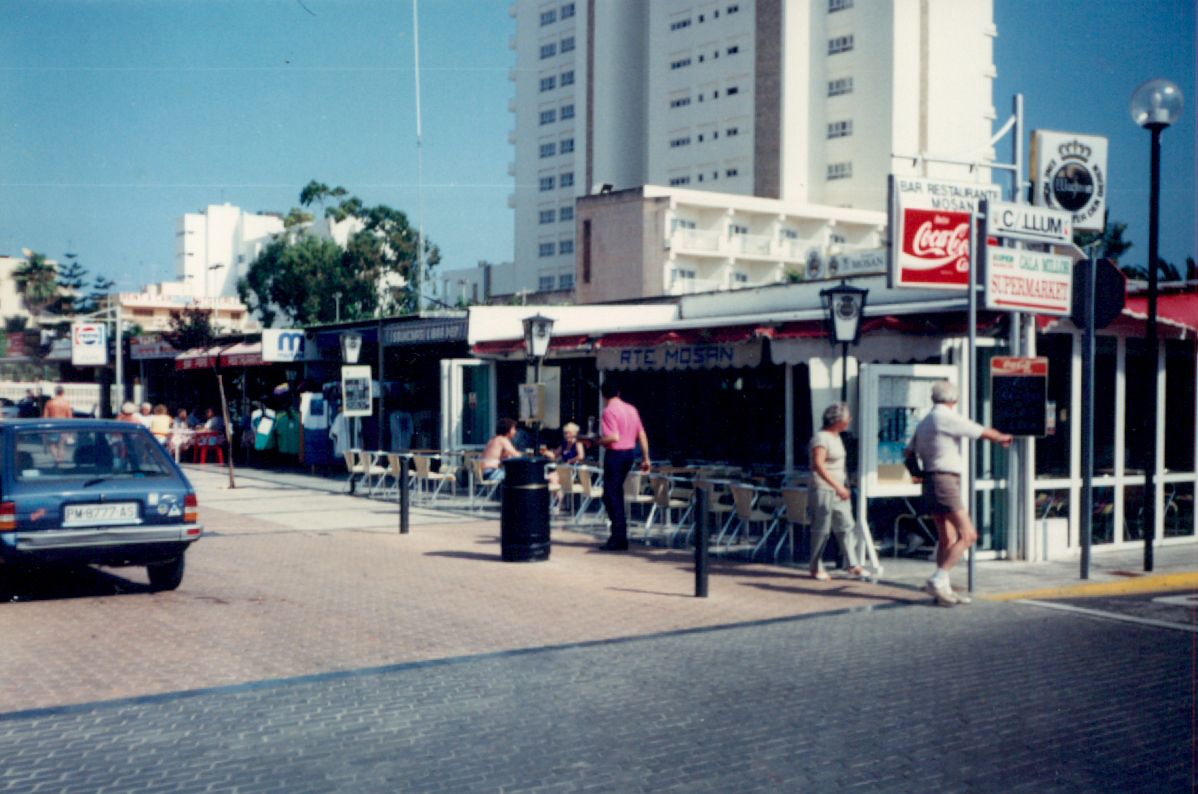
[37, 281]
[190, 327]
[71, 278]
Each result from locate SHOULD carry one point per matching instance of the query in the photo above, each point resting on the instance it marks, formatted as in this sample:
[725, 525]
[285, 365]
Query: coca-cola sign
[929, 223]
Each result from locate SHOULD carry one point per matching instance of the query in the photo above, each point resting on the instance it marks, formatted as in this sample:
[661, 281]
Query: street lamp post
[844, 305]
[1155, 105]
[538, 330]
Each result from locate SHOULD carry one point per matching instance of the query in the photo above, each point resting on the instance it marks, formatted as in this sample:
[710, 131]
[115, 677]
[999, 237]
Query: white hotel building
[806, 103]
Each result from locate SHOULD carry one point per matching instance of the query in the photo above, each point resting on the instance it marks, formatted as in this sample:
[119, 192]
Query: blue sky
[121, 115]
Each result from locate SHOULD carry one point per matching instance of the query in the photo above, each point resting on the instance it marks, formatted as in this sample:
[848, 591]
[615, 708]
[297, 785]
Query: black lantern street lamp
[538, 330]
[844, 305]
[1155, 105]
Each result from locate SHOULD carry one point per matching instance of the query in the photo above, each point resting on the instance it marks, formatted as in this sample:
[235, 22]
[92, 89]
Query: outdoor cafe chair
[748, 514]
[794, 504]
[636, 492]
[723, 511]
[433, 481]
[666, 501]
[362, 466]
[482, 487]
[569, 488]
[590, 489]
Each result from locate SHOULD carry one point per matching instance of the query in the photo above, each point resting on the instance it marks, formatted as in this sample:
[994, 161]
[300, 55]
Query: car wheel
[166, 575]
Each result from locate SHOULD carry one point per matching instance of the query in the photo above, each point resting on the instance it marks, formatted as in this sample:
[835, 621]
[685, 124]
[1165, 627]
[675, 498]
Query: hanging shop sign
[684, 356]
[1027, 223]
[356, 390]
[150, 347]
[1022, 281]
[425, 332]
[929, 231]
[1069, 173]
[89, 344]
[1019, 394]
[283, 344]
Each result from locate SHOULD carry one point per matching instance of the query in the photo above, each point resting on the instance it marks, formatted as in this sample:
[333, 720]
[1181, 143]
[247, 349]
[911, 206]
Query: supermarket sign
[929, 231]
[1028, 281]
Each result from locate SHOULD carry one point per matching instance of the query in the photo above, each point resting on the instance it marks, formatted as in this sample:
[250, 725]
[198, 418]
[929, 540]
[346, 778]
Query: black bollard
[403, 495]
[701, 532]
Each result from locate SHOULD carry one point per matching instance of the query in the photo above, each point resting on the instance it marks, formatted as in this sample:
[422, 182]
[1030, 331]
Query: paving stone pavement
[997, 697]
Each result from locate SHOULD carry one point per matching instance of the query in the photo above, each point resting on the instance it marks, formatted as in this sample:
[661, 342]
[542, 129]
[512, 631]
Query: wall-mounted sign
[1019, 394]
[283, 344]
[89, 344]
[929, 231]
[671, 357]
[356, 390]
[150, 347]
[1069, 173]
[425, 332]
[1022, 281]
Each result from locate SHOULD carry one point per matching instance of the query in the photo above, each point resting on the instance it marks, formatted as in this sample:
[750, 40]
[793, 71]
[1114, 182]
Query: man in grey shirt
[937, 443]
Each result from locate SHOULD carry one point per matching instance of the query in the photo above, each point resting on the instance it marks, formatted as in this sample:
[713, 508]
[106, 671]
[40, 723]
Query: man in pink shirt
[622, 431]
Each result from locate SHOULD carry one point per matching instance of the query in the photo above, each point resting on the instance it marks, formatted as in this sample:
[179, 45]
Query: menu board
[356, 390]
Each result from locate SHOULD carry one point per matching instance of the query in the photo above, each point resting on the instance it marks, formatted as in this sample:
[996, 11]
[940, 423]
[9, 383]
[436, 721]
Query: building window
[548, 116]
[840, 86]
[567, 145]
[681, 63]
[548, 50]
[840, 170]
[840, 44]
[567, 10]
[548, 83]
[679, 180]
[840, 129]
[680, 24]
[737, 228]
[548, 149]
[733, 9]
[790, 234]
[839, 5]
[732, 172]
[680, 102]
[545, 249]
[735, 48]
[548, 17]
[568, 44]
[546, 183]
[546, 216]
[567, 112]
[740, 278]
[545, 283]
[685, 223]
[732, 131]
[733, 90]
[586, 252]
[567, 180]
[567, 78]
[566, 280]
[565, 247]
[682, 274]
[566, 214]
[676, 142]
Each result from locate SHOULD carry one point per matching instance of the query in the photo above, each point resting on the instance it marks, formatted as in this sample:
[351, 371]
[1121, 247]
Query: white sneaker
[962, 598]
[943, 594]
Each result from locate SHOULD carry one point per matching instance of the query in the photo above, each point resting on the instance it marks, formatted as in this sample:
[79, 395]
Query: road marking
[1182, 580]
[1188, 600]
[1095, 613]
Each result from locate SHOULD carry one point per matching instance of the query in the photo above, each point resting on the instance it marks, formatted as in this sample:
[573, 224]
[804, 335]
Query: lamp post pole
[1154, 105]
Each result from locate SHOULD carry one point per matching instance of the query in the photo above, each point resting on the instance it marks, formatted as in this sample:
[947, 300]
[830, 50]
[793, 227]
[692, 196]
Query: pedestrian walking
[937, 443]
[830, 503]
[622, 431]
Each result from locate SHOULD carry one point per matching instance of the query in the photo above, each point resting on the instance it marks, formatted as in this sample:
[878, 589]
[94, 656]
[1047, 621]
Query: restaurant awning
[242, 354]
[197, 358]
[1179, 310]
[689, 348]
[504, 347]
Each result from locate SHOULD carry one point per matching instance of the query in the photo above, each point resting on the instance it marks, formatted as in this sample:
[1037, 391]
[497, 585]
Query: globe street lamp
[844, 305]
[1155, 105]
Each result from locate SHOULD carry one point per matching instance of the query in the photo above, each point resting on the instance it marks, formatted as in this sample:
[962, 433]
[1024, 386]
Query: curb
[1182, 580]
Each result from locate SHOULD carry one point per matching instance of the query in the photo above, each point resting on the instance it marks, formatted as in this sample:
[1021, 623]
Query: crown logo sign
[1074, 150]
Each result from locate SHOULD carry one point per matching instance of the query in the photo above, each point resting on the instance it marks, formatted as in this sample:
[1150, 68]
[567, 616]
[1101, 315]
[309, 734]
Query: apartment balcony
[751, 244]
[695, 241]
[691, 286]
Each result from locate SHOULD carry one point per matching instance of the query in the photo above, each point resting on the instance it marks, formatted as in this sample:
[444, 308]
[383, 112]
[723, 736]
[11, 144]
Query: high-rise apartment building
[214, 248]
[811, 102]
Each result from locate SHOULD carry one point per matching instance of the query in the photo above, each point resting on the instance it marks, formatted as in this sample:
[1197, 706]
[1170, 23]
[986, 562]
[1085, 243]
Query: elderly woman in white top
[828, 495]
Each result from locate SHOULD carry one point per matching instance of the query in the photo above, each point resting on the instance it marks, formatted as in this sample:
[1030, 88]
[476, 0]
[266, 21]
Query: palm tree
[37, 281]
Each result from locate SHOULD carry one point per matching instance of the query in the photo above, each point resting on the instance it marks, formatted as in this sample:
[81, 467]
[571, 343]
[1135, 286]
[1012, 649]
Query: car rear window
[52, 455]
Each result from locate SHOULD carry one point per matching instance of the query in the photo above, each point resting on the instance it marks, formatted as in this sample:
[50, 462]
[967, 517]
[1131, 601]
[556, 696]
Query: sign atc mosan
[929, 231]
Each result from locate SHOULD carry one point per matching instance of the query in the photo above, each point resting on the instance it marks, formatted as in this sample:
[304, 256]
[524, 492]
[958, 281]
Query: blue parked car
[94, 492]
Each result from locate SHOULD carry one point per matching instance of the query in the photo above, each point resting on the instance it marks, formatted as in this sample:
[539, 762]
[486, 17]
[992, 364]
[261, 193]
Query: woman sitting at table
[499, 449]
[571, 451]
[830, 508]
[160, 423]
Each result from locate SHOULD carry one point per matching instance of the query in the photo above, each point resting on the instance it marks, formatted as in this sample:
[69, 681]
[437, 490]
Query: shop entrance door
[467, 402]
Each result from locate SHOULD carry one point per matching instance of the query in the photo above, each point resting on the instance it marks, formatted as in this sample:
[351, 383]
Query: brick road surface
[261, 600]
[996, 697]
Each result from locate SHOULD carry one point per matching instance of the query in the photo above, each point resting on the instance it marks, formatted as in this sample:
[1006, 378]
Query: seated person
[499, 449]
[571, 451]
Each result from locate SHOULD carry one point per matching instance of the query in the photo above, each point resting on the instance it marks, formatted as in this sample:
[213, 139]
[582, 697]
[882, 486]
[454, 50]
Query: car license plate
[100, 514]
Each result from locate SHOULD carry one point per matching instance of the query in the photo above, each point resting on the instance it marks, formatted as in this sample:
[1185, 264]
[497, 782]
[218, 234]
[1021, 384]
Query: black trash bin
[524, 517]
